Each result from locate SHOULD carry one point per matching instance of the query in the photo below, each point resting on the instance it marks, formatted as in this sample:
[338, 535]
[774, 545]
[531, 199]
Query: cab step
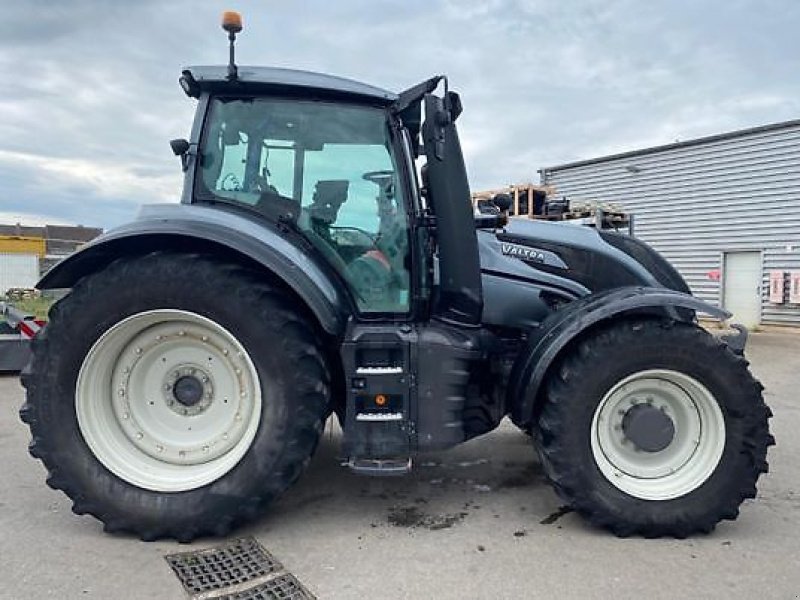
[380, 467]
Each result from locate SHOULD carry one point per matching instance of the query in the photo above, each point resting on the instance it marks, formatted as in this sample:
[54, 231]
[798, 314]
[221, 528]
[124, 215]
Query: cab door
[329, 168]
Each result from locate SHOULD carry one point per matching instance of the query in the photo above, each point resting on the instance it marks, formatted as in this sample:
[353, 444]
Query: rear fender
[561, 328]
[193, 228]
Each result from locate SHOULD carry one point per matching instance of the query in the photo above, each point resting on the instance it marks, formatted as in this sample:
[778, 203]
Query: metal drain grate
[283, 587]
[215, 569]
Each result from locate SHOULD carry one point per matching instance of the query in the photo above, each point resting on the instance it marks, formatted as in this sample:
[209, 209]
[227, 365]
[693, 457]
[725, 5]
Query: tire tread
[299, 341]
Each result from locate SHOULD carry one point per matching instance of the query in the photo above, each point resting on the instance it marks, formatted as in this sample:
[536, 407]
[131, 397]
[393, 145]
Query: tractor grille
[240, 570]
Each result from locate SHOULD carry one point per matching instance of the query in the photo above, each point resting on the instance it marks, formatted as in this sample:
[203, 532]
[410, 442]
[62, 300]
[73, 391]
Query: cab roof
[214, 78]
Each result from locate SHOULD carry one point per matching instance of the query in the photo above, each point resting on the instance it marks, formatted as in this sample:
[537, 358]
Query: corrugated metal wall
[696, 200]
[18, 271]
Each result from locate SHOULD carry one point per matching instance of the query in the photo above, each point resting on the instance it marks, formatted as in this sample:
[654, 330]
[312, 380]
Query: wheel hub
[188, 390]
[648, 428]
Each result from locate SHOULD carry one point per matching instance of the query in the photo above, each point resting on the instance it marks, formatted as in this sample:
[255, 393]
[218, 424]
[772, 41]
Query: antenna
[232, 23]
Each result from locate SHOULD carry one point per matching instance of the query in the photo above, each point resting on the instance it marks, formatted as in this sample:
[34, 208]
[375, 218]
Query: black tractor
[325, 259]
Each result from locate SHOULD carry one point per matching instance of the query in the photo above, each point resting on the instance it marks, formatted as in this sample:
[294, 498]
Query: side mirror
[180, 147]
[452, 102]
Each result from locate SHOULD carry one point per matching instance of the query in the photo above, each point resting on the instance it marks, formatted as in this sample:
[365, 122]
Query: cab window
[327, 167]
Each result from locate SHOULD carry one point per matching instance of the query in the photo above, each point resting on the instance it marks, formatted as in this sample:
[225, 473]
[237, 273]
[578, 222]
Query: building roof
[71, 234]
[687, 143]
[21, 231]
[62, 233]
[209, 76]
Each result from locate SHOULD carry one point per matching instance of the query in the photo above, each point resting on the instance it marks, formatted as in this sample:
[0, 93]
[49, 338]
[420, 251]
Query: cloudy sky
[89, 94]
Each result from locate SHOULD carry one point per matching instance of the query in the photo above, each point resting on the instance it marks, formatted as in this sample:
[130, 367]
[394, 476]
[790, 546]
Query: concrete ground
[475, 522]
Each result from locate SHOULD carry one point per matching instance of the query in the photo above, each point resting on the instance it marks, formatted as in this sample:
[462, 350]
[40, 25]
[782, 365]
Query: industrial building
[28, 252]
[724, 209]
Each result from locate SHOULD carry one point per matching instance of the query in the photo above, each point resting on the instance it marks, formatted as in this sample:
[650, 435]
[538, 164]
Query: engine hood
[576, 259]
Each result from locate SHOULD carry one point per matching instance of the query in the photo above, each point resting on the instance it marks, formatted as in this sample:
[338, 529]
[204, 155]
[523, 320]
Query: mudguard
[565, 325]
[197, 228]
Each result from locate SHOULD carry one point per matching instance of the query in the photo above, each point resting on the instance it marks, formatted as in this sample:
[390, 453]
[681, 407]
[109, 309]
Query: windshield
[328, 168]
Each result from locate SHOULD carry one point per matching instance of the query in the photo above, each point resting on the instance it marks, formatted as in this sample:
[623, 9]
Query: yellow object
[12, 244]
[231, 21]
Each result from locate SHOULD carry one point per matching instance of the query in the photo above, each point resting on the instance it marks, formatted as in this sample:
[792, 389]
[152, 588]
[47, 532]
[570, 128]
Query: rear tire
[659, 484]
[140, 452]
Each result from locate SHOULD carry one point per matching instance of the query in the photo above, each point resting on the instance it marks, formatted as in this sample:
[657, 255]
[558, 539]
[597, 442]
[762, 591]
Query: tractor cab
[327, 170]
[333, 162]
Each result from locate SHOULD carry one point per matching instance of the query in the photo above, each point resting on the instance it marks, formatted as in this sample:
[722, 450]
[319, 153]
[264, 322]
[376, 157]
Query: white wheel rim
[686, 462]
[131, 418]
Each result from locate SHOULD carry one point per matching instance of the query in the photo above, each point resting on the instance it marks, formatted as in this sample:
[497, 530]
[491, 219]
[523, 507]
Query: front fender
[568, 323]
[197, 228]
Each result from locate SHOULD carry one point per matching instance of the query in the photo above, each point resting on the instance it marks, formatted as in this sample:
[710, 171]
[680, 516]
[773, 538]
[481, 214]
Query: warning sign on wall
[776, 287]
[794, 287]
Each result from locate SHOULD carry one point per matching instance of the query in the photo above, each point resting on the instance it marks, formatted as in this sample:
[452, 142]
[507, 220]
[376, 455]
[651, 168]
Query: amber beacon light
[232, 23]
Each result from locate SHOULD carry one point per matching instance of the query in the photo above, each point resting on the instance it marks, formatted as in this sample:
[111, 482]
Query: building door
[742, 287]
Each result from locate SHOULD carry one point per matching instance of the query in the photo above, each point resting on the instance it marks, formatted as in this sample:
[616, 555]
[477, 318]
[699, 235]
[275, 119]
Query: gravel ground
[475, 522]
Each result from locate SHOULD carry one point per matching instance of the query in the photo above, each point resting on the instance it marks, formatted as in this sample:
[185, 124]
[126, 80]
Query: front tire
[175, 395]
[654, 428]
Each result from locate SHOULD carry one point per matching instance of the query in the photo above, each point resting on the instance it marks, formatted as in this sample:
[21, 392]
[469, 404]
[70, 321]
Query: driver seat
[329, 195]
[316, 218]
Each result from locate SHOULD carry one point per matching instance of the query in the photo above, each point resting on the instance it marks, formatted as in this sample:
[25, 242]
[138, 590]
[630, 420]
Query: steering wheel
[360, 236]
[379, 178]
